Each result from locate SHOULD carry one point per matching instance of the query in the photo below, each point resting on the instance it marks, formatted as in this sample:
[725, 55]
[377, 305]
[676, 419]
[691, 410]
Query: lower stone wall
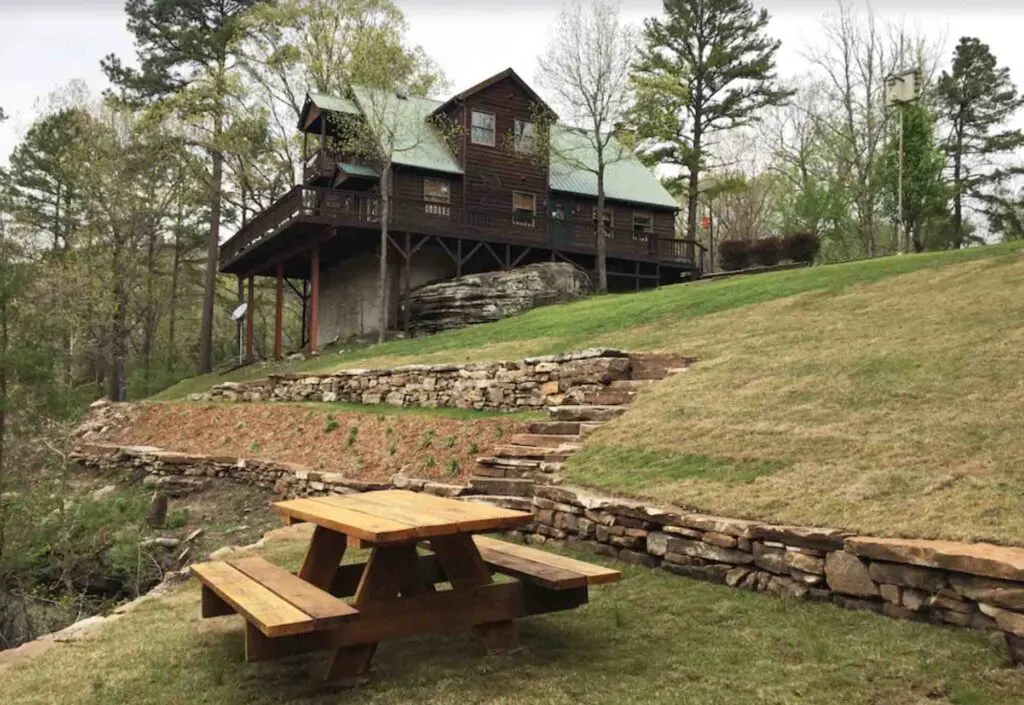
[978, 586]
[529, 384]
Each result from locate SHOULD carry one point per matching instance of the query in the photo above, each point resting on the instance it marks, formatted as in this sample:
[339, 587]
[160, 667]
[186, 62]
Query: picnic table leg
[465, 569]
[391, 571]
[323, 557]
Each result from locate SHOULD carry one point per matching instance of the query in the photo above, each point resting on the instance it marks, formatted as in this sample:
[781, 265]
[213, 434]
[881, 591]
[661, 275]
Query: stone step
[543, 440]
[506, 486]
[611, 397]
[539, 473]
[567, 428]
[589, 427]
[534, 453]
[586, 412]
[520, 464]
[519, 504]
[657, 365]
[632, 385]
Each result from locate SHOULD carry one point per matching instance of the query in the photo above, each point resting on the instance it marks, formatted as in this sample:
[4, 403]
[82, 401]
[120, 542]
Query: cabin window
[523, 138]
[483, 128]
[524, 209]
[437, 194]
[643, 223]
[609, 221]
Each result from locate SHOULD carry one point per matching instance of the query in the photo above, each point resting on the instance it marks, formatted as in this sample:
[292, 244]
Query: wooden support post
[238, 324]
[305, 312]
[250, 319]
[406, 276]
[458, 254]
[314, 298]
[279, 314]
[637, 267]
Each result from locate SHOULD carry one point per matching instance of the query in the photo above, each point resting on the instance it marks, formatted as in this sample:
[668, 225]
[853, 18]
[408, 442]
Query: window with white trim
[643, 223]
[482, 131]
[524, 209]
[523, 136]
[437, 196]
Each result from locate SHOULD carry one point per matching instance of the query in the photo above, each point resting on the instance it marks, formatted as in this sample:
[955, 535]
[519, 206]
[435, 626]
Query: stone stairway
[535, 456]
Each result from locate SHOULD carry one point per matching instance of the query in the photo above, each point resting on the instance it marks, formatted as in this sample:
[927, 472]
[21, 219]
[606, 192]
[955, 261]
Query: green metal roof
[357, 170]
[417, 143]
[624, 180]
[334, 104]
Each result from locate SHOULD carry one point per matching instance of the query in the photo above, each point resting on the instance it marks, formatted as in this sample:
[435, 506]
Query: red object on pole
[279, 313]
[249, 320]
[705, 223]
[314, 298]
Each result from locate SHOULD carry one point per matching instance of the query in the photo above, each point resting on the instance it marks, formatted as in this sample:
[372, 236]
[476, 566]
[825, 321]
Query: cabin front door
[561, 224]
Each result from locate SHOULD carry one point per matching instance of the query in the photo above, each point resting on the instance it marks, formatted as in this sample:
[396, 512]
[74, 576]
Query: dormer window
[483, 128]
[523, 137]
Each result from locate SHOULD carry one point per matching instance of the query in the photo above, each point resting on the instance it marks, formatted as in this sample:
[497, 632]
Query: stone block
[709, 573]
[738, 528]
[770, 559]
[705, 551]
[717, 539]
[638, 558]
[797, 560]
[907, 576]
[847, 574]
[890, 593]
[1001, 593]
[914, 599]
[736, 576]
[683, 531]
[1010, 622]
[657, 543]
[986, 560]
[807, 537]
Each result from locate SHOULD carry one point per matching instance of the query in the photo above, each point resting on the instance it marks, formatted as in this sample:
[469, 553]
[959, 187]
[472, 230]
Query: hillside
[882, 396]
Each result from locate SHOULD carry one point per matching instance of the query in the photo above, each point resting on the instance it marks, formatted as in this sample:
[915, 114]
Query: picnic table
[400, 590]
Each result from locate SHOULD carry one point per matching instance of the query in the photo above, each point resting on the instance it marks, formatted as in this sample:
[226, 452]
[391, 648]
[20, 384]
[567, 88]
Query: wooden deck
[306, 210]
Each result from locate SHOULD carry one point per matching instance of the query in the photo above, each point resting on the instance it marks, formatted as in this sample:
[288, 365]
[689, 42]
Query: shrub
[801, 247]
[734, 254]
[767, 251]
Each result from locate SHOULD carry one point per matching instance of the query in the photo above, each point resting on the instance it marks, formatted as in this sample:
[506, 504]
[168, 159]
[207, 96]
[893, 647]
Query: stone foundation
[529, 384]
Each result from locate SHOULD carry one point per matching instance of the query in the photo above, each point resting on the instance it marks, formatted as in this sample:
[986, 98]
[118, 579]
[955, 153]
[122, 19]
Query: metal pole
[900, 234]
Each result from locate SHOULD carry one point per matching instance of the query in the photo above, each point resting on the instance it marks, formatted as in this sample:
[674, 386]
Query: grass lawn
[883, 396]
[653, 638]
[628, 320]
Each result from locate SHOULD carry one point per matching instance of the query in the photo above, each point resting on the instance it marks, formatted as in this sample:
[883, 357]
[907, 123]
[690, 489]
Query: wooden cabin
[469, 193]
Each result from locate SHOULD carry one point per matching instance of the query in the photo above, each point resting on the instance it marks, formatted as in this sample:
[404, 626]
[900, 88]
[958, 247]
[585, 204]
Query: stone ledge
[984, 559]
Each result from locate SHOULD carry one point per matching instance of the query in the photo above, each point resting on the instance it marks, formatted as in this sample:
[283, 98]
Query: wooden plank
[272, 615]
[532, 571]
[324, 608]
[472, 516]
[346, 582]
[595, 574]
[364, 526]
[424, 523]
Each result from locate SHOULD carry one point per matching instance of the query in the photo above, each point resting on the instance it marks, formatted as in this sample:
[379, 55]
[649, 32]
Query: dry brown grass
[893, 408]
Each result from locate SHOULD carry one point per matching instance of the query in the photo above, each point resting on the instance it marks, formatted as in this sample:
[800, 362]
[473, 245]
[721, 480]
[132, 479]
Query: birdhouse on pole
[902, 88]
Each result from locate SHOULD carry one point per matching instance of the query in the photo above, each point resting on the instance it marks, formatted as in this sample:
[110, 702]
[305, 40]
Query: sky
[45, 44]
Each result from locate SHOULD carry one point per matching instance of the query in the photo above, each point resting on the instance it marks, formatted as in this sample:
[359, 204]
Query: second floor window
[609, 221]
[437, 196]
[523, 137]
[483, 128]
[524, 209]
[643, 223]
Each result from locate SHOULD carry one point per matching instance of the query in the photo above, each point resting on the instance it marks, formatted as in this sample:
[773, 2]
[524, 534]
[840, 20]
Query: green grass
[622, 319]
[641, 470]
[653, 638]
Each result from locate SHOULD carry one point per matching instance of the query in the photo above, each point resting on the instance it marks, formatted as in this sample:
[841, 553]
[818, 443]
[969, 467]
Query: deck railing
[361, 209]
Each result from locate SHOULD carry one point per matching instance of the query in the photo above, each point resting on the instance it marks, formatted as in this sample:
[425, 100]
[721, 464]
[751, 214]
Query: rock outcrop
[491, 296]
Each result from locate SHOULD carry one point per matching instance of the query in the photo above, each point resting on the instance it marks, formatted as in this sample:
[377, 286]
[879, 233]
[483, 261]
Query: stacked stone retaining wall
[522, 385]
[978, 586]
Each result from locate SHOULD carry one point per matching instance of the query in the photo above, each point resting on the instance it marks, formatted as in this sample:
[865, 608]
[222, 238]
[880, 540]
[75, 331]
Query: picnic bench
[429, 571]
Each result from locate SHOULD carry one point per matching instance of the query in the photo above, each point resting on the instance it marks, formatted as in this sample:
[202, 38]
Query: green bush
[801, 247]
[734, 255]
[766, 252]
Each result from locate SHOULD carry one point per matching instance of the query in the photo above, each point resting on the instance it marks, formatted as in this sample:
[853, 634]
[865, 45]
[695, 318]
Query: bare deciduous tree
[586, 69]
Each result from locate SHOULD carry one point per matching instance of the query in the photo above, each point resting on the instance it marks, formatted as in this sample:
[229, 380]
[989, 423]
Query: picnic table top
[393, 516]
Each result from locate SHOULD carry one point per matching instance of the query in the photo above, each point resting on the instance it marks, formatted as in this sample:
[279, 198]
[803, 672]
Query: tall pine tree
[978, 98]
[187, 50]
[708, 66]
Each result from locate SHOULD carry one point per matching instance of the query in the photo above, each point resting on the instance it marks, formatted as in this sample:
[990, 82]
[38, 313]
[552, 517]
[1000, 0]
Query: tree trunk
[958, 194]
[601, 244]
[172, 313]
[212, 251]
[149, 317]
[382, 297]
[118, 325]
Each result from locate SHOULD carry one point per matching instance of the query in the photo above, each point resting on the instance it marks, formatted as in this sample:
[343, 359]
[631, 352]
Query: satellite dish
[237, 314]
